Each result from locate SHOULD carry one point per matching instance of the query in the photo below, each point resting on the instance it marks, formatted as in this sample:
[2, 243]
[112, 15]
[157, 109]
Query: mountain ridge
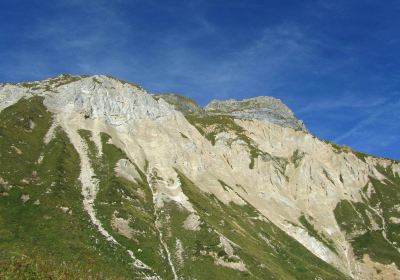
[264, 108]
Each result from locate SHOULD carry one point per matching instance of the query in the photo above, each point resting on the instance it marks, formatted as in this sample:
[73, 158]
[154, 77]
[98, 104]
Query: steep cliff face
[147, 191]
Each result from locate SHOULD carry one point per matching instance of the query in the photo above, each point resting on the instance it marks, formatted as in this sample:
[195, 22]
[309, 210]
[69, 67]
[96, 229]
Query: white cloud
[371, 119]
[344, 101]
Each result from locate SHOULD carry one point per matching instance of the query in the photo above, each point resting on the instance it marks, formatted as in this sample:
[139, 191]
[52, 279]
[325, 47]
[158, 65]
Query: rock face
[115, 101]
[103, 97]
[264, 108]
[240, 192]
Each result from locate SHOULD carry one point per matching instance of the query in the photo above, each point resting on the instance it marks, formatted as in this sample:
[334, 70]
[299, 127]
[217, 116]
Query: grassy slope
[42, 241]
[356, 219]
[127, 200]
[280, 258]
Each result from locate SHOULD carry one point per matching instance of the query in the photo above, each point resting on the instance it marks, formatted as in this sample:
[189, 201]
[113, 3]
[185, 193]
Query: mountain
[99, 179]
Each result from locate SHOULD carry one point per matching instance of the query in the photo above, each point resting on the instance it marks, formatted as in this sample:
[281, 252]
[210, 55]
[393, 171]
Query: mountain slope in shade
[99, 179]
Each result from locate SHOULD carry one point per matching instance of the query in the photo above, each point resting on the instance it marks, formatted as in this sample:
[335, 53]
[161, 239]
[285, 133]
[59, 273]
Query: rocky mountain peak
[263, 108]
[97, 96]
[116, 101]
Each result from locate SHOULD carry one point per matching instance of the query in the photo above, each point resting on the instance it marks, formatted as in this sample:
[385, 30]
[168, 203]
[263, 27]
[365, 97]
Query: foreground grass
[44, 231]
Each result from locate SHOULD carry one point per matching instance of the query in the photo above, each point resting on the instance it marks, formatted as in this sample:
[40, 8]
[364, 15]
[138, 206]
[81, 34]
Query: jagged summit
[265, 108]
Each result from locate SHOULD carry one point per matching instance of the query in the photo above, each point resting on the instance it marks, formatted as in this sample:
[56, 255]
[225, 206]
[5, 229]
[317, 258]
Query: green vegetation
[39, 267]
[373, 243]
[131, 201]
[267, 251]
[44, 231]
[54, 82]
[181, 103]
[317, 235]
[64, 80]
[183, 135]
[345, 149]
[210, 126]
[348, 218]
[125, 82]
[297, 157]
[386, 193]
[194, 252]
[225, 186]
[380, 209]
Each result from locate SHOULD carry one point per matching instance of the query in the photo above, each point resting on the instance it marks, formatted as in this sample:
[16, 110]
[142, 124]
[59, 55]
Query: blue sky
[336, 64]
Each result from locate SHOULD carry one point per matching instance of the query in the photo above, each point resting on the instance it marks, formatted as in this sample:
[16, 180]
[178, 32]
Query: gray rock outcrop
[104, 97]
[264, 108]
[118, 102]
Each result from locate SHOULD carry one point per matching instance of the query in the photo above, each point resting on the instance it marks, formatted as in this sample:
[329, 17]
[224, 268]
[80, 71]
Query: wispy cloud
[100, 38]
[345, 101]
[389, 106]
[321, 67]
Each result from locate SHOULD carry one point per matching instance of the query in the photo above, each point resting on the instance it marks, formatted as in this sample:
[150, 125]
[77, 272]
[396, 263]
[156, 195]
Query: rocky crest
[98, 96]
[264, 108]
